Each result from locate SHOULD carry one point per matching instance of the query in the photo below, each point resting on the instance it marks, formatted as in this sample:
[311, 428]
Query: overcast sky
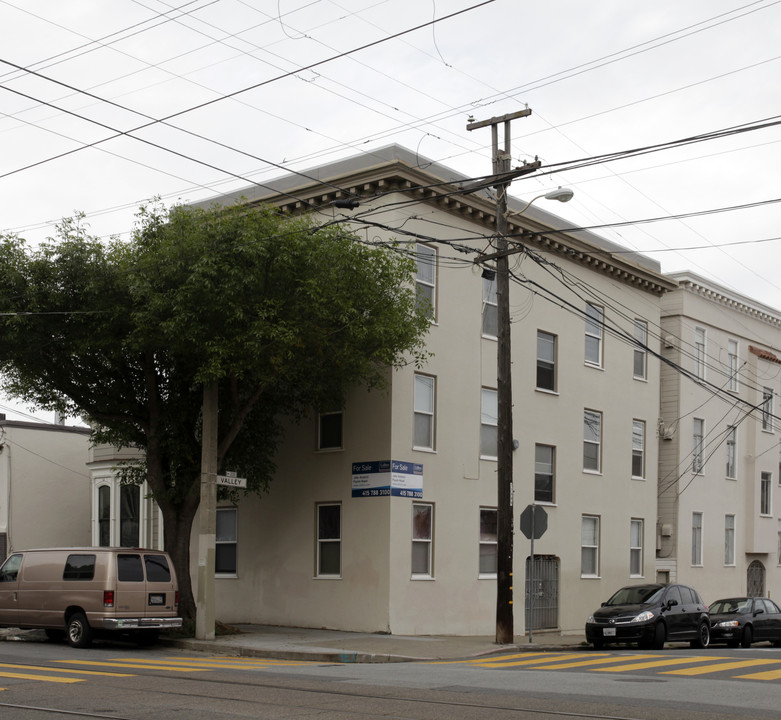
[105, 104]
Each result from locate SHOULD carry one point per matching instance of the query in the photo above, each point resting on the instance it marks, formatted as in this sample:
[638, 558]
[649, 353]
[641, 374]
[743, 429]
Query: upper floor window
[424, 412]
[489, 419]
[729, 539]
[699, 353]
[329, 431]
[698, 440]
[592, 440]
[765, 488]
[732, 365]
[767, 409]
[490, 308]
[595, 319]
[426, 279]
[732, 445]
[488, 542]
[589, 545]
[640, 364]
[422, 539]
[638, 449]
[546, 361]
[544, 473]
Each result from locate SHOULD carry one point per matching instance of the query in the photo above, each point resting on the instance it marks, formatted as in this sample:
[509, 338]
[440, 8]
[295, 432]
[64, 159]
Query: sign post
[534, 523]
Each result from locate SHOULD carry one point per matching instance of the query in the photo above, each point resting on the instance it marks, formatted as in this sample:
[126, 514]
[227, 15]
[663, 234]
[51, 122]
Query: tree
[283, 315]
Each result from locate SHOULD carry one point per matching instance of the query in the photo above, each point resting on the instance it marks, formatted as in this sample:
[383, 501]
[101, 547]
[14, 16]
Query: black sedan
[650, 615]
[745, 620]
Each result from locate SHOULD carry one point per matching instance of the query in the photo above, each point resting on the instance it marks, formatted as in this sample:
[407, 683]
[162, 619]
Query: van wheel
[78, 631]
[55, 635]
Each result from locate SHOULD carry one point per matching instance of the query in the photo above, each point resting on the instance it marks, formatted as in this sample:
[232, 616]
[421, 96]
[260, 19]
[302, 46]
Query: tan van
[80, 593]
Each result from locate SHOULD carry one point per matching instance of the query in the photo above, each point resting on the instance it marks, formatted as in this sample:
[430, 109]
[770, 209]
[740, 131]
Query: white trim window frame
[490, 312]
[732, 365]
[636, 531]
[778, 547]
[589, 546]
[489, 423]
[544, 474]
[638, 449]
[698, 445]
[422, 541]
[424, 412]
[426, 280]
[697, 539]
[595, 326]
[765, 493]
[592, 441]
[729, 540]
[546, 361]
[640, 353]
[489, 545]
[731, 469]
[699, 353]
[226, 542]
[328, 531]
[767, 409]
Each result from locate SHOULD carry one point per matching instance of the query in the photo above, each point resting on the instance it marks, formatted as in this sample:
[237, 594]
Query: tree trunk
[178, 522]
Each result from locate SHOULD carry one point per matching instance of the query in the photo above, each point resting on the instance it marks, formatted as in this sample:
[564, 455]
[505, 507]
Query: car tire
[747, 637]
[703, 636]
[78, 632]
[660, 635]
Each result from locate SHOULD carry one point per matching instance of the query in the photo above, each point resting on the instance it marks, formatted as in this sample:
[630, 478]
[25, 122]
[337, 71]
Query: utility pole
[204, 607]
[504, 472]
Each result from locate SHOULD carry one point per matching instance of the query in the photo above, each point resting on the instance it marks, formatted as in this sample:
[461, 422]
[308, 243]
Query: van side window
[157, 569]
[129, 568]
[10, 569]
[79, 567]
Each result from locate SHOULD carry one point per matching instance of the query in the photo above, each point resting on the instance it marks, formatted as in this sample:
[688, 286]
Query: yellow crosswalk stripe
[130, 664]
[43, 678]
[663, 662]
[719, 667]
[766, 675]
[596, 661]
[500, 663]
[64, 670]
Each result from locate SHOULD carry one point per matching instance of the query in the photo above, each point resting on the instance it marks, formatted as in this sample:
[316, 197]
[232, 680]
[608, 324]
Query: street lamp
[561, 194]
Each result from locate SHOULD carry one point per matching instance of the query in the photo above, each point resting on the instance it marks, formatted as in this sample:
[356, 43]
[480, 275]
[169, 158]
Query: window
[424, 412]
[422, 538]
[699, 353]
[732, 365]
[698, 436]
[640, 363]
[329, 431]
[778, 549]
[638, 449]
[636, 547]
[77, 567]
[490, 309]
[589, 546]
[544, 478]
[488, 542]
[426, 279]
[129, 568]
[767, 409]
[697, 538]
[732, 439]
[595, 317]
[765, 484]
[592, 434]
[329, 540]
[489, 418]
[129, 504]
[226, 542]
[546, 361]
[729, 539]
[104, 516]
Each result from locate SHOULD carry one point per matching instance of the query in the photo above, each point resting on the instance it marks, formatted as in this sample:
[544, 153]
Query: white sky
[600, 77]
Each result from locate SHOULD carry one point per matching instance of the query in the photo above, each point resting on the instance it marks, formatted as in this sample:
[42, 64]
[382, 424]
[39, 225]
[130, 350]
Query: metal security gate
[545, 611]
[755, 579]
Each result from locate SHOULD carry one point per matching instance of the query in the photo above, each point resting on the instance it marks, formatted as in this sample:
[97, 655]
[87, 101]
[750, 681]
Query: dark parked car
[650, 615]
[745, 620]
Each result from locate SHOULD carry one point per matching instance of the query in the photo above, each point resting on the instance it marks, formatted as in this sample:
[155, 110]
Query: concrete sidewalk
[284, 643]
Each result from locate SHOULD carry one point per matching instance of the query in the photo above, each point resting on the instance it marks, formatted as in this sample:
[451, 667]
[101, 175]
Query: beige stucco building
[321, 549]
[719, 525]
[44, 486]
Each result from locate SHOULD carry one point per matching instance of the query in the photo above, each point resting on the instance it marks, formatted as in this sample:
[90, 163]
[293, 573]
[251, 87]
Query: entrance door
[755, 579]
[544, 588]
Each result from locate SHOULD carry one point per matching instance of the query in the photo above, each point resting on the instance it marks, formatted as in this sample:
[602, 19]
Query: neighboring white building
[315, 552]
[44, 486]
[719, 526]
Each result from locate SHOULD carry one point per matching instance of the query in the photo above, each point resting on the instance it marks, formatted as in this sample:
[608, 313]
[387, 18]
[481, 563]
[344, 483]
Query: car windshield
[733, 606]
[638, 595]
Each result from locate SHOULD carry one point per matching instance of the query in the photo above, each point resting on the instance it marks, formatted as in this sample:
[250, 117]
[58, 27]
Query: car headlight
[590, 619]
[644, 616]
[728, 624]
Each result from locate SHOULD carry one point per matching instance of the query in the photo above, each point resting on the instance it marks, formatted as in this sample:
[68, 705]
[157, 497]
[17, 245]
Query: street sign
[232, 481]
[534, 522]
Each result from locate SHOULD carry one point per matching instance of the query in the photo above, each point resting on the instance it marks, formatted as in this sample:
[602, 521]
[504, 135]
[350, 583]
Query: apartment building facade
[382, 515]
[719, 525]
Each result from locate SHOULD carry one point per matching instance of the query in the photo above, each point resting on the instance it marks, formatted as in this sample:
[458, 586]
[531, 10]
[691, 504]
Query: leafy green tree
[285, 316]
